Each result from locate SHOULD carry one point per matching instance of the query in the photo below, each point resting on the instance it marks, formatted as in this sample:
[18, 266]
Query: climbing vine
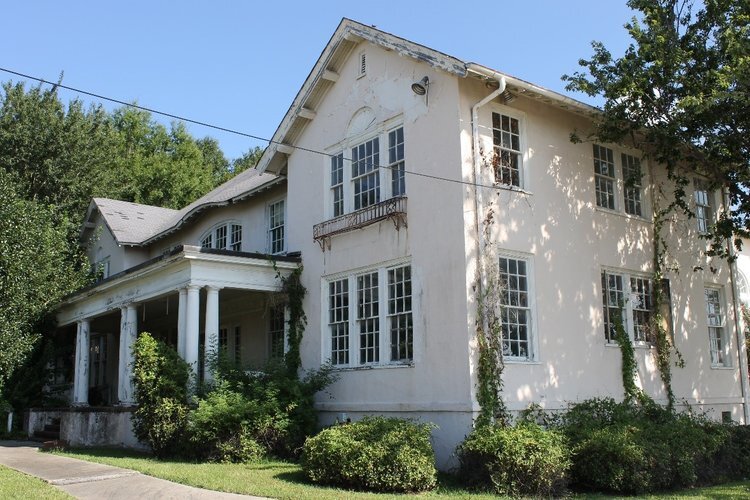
[629, 365]
[490, 364]
[663, 342]
[295, 291]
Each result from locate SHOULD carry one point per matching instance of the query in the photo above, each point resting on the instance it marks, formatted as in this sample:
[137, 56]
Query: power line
[240, 133]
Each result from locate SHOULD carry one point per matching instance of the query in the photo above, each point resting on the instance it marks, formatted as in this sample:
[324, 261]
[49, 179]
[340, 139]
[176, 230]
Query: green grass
[279, 479]
[17, 485]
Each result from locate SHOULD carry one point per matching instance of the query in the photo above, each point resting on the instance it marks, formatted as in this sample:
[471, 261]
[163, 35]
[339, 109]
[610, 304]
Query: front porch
[193, 298]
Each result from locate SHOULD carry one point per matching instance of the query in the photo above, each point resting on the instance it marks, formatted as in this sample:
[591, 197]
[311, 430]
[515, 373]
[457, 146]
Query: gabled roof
[325, 73]
[135, 224]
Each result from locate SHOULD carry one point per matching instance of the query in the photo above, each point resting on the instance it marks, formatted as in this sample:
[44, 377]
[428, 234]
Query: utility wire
[244, 134]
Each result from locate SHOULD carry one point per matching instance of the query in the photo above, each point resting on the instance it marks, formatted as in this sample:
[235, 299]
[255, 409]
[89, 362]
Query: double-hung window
[613, 192]
[515, 308]
[703, 203]
[358, 177]
[225, 236]
[628, 302]
[370, 317]
[276, 222]
[631, 175]
[506, 143]
[276, 322]
[604, 177]
[716, 327]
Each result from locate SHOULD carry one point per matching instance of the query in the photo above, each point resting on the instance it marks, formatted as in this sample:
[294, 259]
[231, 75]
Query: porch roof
[177, 268]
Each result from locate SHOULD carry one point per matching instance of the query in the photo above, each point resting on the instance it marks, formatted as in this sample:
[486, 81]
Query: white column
[128, 335]
[192, 317]
[181, 322]
[81, 380]
[211, 346]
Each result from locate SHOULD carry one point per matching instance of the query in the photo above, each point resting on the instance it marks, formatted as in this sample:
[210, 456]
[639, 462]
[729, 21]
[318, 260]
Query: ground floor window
[276, 331]
[515, 308]
[716, 326]
[370, 317]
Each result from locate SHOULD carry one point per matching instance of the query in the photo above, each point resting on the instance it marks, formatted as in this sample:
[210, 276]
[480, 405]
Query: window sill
[624, 215]
[528, 362]
[514, 189]
[388, 366]
[641, 346]
[722, 367]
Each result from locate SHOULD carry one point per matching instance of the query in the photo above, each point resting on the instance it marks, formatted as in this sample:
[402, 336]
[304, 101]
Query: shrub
[629, 449]
[376, 453]
[160, 379]
[520, 460]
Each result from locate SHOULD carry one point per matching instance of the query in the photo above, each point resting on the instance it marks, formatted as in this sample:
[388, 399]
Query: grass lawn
[17, 485]
[278, 479]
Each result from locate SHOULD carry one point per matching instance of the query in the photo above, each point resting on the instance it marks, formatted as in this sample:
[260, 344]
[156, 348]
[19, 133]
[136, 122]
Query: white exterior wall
[439, 379]
[568, 240]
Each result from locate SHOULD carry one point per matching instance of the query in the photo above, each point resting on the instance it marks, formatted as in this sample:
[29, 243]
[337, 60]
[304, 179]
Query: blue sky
[239, 64]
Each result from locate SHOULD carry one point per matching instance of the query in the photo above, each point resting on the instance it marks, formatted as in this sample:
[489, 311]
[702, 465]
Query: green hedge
[376, 453]
[521, 460]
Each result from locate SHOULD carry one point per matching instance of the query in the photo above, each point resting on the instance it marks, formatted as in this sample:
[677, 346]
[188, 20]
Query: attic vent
[362, 64]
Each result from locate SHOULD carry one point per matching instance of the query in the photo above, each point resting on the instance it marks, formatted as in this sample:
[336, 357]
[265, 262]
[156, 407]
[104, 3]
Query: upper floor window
[612, 191]
[276, 223]
[631, 175]
[604, 177]
[225, 236]
[703, 206]
[100, 269]
[515, 308]
[506, 143]
[370, 317]
[362, 180]
[628, 302]
[716, 327]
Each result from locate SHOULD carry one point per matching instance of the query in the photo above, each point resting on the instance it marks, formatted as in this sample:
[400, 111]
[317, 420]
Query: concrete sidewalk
[88, 480]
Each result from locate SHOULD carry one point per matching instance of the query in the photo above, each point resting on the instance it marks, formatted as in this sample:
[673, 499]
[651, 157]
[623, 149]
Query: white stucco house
[379, 181]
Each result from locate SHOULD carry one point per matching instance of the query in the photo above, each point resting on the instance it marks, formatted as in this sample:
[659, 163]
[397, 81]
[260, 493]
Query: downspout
[738, 322]
[477, 161]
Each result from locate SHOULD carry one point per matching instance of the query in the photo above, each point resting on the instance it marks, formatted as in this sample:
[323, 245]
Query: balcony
[393, 209]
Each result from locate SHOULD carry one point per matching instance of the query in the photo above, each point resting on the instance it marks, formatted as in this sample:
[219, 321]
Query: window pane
[515, 311]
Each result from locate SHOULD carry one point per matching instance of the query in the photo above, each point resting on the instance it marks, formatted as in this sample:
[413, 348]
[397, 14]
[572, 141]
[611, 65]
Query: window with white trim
[515, 308]
[507, 158]
[223, 340]
[604, 177]
[361, 179]
[623, 191]
[370, 317]
[703, 206]
[224, 236]
[716, 326]
[276, 223]
[628, 299]
[276, 321]
[631, 175]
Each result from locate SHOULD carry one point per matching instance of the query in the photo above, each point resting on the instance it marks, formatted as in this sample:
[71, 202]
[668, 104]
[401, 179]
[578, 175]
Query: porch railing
[393, 208]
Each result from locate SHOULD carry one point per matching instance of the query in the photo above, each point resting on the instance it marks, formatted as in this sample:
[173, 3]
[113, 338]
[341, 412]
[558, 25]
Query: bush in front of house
[375, 453]
[160, 378]
[520, 460]
[240, 417]
[635, 449]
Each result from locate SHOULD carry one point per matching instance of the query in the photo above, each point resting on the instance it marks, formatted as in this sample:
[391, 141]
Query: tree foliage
[37, 268]
[680, 95]
[54, 158]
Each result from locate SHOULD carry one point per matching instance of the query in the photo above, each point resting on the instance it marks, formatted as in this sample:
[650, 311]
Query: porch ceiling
[182, 266]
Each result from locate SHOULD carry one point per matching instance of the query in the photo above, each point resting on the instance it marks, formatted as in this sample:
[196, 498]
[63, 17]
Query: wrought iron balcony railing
[393, 208]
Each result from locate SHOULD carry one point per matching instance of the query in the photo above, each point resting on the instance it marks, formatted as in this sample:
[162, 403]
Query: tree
[37, 269]
[681, 94]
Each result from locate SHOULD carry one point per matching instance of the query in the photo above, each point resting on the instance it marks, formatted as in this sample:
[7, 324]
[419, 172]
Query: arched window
[224, 236]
